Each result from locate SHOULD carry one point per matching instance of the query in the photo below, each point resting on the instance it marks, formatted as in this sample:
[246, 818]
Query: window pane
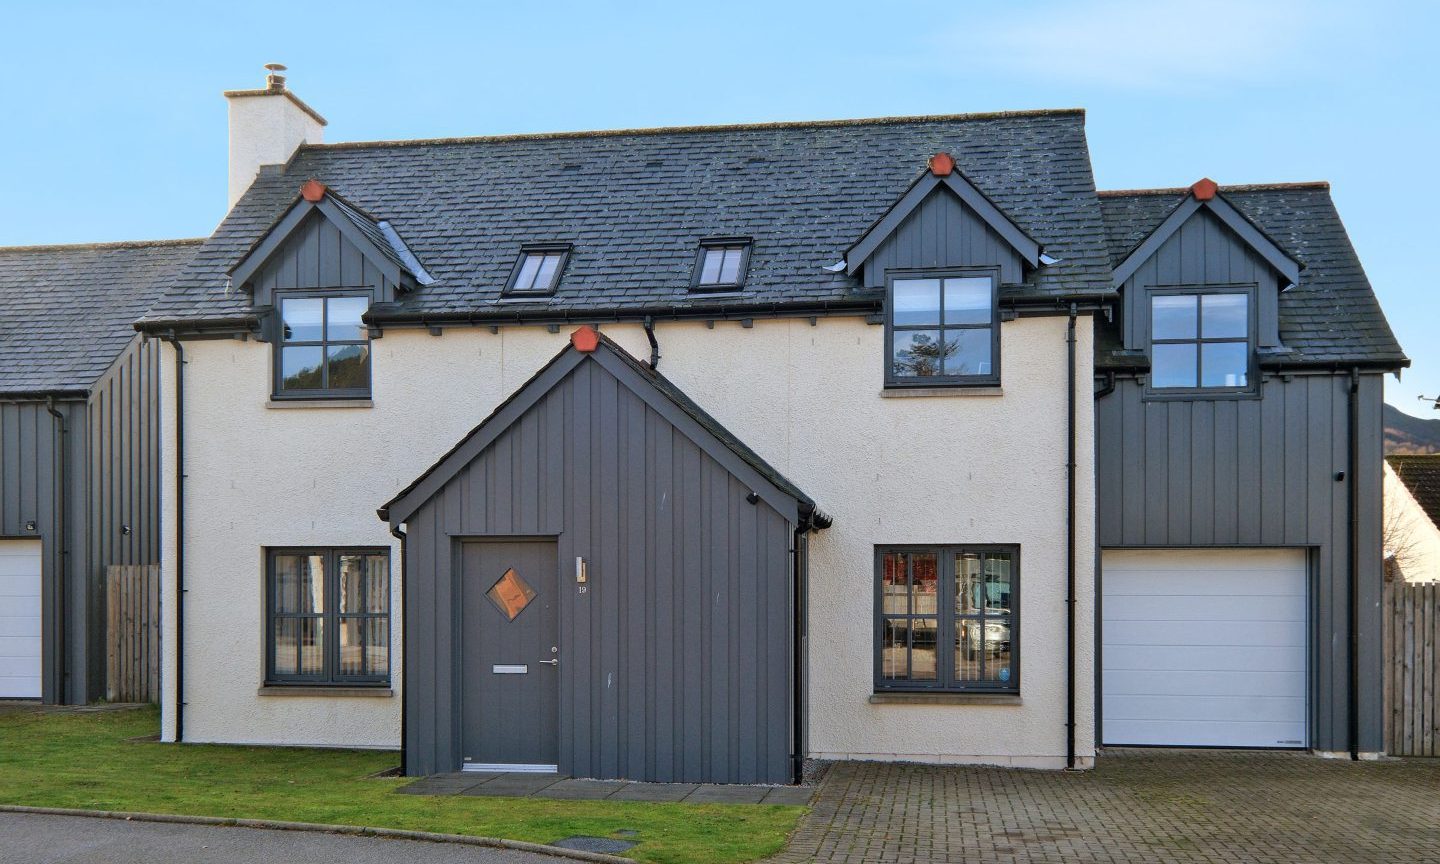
[352, 652]
[377, 583]
[924, 649]
[545, 276]
[894, 648]
[1224, 316]
[529, 266]
[342, 318]
[730, 266]
[710, 267]
[996, 598]
[1224, 364]
[998, 651]
[925, 583]
[967, 584]
[311, 573]
[894, 593]
[300, 368]
[286, 636]
[968, 650]
[917, 301]
[287, 581]
[967, 300]
[303, 318]
[352, 583]
[377, 646]
[1172, 316]
[312, 646]
[349, 367]
[1172, 366]
[918, 353]
[967, 352]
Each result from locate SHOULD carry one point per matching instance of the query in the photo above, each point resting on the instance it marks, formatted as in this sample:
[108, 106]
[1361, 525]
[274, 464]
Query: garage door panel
[1130, 682]
[1203, 733]
[20, 646]
[1204, 658]
[1275, 709]
[21, 607]
[1186, 607]
[1211, 582]
[1273, 635]
[18, 586]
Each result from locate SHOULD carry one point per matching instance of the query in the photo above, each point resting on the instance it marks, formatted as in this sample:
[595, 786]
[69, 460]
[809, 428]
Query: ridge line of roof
[110, 244]
[723, 127]
[1237, 187]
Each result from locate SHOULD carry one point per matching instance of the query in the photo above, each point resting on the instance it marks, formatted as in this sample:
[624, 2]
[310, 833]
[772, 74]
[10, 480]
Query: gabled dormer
[942, 252]
[1200, 297]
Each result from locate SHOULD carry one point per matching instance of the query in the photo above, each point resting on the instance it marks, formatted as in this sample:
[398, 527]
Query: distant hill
[1406, 434]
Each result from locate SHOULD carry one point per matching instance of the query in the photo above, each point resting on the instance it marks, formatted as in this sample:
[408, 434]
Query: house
[700, 452]
[1412, 516]
[79, 445]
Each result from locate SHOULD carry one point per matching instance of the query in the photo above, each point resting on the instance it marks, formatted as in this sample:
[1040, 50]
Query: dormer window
[721, 264]
[324, 346]
[942, 329]
[538, 270]
[1200, 341]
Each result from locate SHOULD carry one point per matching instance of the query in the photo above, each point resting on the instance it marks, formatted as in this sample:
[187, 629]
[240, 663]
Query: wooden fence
[132, 643]
[1412, 669]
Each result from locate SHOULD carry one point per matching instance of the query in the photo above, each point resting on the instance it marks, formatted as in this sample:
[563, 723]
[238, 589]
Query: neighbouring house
[1412, 516]
[79, 453]
[700, 452]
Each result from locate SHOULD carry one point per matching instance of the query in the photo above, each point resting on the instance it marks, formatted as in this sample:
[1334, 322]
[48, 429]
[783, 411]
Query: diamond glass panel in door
[510, 594]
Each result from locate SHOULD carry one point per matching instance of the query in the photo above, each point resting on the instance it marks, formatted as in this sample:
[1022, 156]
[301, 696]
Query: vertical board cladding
[941, 233]
[31, 462]
[1261, 473]
[123, 509]
[676, 661]
[317, 255]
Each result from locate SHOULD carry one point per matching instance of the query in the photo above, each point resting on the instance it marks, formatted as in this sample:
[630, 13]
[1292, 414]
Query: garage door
[20, 619]
[1205, 648]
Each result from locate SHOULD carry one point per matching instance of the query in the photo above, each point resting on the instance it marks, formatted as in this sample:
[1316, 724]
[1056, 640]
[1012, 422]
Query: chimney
[266, 126]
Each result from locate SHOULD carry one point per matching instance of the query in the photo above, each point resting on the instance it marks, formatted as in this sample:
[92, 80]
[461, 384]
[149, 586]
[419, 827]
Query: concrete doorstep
[524, 785]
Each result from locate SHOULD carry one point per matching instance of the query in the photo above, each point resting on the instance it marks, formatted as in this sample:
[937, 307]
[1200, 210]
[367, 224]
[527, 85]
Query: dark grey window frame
[330, 676]
[563, 249]
[945, 627]
[1251, 390]
[277, 391]
[893, 381]
[745, 245]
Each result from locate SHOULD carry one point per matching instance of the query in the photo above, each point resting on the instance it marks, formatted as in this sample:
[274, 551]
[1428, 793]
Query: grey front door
[511, 676]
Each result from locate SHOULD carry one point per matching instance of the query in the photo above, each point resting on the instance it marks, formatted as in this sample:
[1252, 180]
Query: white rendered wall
[265, 130]
[947, 469]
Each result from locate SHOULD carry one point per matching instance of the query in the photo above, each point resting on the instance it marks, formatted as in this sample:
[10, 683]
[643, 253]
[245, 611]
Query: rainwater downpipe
[654, 343]
[404, 655]
[1070, 545]
[179, 534]
[1352, 589]
[62, 534]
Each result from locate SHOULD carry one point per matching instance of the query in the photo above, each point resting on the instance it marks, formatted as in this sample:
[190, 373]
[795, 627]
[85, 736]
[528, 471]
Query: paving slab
[726, 795]
[657, 792]
[516, 785]
[582, 790]
[793, 796]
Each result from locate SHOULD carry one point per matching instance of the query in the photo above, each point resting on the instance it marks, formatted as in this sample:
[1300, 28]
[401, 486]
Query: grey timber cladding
[943, 232]
[1332, 316]
[635, 205]
[677, 663]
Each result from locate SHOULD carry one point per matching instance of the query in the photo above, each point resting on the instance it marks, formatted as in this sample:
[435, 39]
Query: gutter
[731, 311]
[1352, 585]
[404, 654]
[179, 534]
[1070, 544]
[62, 533]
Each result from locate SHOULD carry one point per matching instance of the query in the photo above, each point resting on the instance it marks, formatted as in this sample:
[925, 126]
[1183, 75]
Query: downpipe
[1352, 585]
[174, 341]
[62, 533]
[654, 343]
[1070, 544]
[404, 655]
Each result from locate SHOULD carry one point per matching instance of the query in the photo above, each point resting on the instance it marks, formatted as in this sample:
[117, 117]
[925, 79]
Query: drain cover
[594, 844]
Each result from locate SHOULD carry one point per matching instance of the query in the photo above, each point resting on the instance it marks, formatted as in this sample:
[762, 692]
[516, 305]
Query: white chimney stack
[266, 126]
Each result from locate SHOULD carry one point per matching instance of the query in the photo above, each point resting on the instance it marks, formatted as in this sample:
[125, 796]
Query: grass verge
[85, 761]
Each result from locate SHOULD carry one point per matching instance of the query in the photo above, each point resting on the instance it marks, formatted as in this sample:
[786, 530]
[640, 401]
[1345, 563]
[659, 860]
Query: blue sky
[115, 128]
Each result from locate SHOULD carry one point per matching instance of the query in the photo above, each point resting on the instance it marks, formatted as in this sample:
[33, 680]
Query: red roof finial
[312, 190]
[1204, 189]
[941, 164]
[585, 339]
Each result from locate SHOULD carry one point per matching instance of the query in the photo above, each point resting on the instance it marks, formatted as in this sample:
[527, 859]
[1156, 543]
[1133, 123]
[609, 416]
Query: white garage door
[20, 619]
[1205, 648]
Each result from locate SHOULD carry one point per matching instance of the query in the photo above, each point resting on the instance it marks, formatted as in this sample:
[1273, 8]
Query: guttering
[174, 341]
[68, 395]
[1070, 543]
[731, 311]
[1352, 585]
[62, 533]
[167, 329]
[404, 654]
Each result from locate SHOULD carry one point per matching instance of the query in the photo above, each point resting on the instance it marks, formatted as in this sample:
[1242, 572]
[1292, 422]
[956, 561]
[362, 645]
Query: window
[328, 616]
[942, 330]
[948, 618]
[1200, 341]
[324, 347]
[538, 269]
[721, 264]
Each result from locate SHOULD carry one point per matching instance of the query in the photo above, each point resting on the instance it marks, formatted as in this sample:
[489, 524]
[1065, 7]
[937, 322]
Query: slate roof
[1421, 475]
[635, 204]
[1332, 316]
[66, 312]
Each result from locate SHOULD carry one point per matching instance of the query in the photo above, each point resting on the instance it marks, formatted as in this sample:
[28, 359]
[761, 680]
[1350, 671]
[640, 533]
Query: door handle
[551, 662]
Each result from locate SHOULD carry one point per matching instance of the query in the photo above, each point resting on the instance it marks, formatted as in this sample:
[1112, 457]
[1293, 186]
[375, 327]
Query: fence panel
[132, 649]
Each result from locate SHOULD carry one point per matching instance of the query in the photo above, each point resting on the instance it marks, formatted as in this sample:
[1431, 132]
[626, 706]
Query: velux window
[324, 347]
[948, 618]
[538, 270]
[942, 329]
[1200, 341]
[328, 616]
[721, 264]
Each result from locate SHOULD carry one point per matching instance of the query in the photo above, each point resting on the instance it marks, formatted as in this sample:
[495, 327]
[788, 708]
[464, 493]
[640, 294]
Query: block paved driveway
[1137, 806]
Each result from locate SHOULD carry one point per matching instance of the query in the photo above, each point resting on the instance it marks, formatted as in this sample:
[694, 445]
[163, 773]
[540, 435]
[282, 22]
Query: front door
[510, 645]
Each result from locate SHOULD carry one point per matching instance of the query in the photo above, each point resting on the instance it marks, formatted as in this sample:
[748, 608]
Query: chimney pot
[274, 81]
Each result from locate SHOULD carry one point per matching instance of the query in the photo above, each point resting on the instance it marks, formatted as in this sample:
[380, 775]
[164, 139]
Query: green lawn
[86, 761]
